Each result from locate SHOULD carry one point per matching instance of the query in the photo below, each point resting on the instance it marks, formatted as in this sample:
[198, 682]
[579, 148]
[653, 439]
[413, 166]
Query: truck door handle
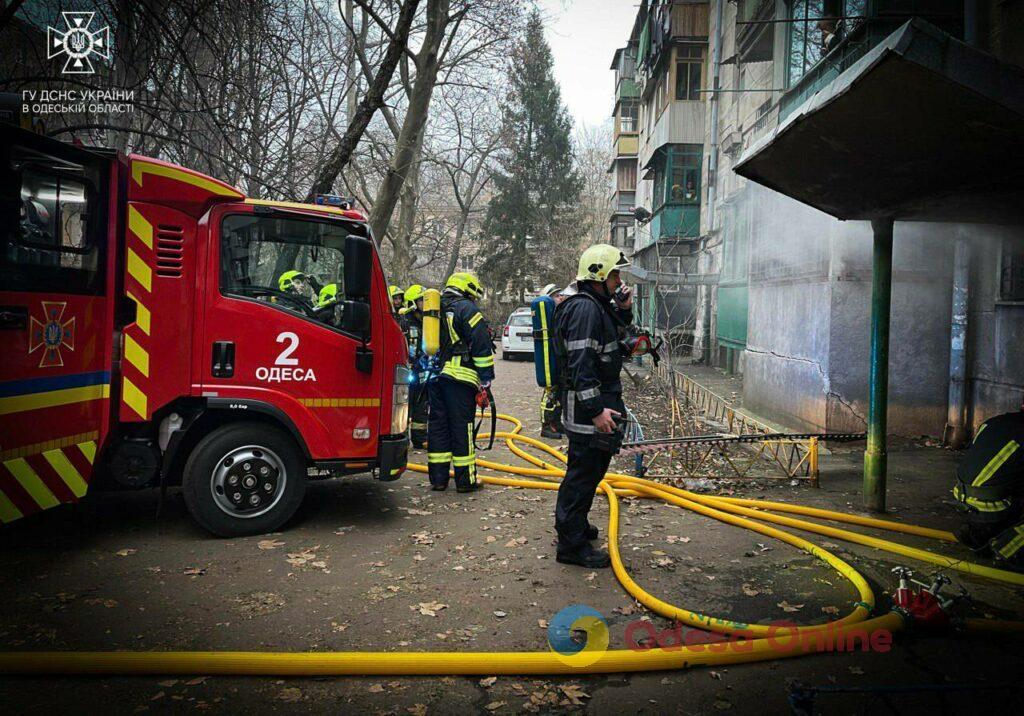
[223, 359]
[13, 317]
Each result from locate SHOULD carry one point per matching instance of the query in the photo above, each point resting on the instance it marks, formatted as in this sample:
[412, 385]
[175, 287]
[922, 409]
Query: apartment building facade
[792, 301]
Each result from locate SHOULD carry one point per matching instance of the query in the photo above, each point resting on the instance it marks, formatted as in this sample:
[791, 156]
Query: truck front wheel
[244, 479]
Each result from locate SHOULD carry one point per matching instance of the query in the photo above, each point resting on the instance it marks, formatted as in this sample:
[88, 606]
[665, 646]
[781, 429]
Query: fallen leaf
[429, 609]
[500, 614]
[167, 684]
[269, 544]
[542, 623]
[787, 607]
[715, 675]
[574, 693]
[494, 705]
[857, 670]
[125, 552]
[291, 694]
[750, 591]
[376, 688]
[830, 610]
[195, 571]
[417, 710]
[591, 577]
[488, 682]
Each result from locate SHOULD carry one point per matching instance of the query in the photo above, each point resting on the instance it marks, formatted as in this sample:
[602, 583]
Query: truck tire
[244, 479]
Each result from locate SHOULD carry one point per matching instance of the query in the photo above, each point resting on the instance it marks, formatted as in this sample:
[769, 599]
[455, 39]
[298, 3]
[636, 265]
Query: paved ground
[376, 566]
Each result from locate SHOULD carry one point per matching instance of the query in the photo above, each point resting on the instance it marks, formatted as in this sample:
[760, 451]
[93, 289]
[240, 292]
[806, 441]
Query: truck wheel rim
[248, 482]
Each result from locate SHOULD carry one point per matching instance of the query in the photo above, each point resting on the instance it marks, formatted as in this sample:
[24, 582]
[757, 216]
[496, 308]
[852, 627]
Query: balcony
[626, 144]
[627, 88]
[676, 221]
[682, 122]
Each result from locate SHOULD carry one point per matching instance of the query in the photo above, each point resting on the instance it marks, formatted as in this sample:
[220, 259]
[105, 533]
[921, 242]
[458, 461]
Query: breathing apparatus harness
[484, 397]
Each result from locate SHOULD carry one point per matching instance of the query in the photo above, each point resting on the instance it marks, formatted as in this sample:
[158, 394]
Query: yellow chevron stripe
[140, 270]
[134, 398]
[33, 485]
[139, 169]
[142, 314]
[89, 450]
[8, 512]
[63, 467]
[136, 355]
[56, 443]
[53, 398]
[139, 226]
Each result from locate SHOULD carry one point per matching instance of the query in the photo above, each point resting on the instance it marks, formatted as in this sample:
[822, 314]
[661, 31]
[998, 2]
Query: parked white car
[517, 336]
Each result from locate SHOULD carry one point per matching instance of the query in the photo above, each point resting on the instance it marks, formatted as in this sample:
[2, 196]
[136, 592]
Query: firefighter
[419, 402]
[397, 298]
[466, 359]
[550, 406]
[297, 283]
[990, 485]
[328, 295]
[587, 340]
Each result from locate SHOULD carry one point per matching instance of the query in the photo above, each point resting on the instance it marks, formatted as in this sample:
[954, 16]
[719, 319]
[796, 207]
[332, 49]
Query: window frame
[1013, 298]
[690, 62]
[62, 279]
[290, 216]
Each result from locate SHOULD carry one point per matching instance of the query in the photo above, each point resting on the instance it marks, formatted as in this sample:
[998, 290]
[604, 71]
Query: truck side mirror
[358, 260]
[355, 317]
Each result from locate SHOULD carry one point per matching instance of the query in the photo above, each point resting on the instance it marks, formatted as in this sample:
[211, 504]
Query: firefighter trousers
[450, 432]
[584, 471]
[419, 408]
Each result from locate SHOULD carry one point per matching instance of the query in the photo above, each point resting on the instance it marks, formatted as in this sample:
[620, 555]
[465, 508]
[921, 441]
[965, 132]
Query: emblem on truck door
[51, 334]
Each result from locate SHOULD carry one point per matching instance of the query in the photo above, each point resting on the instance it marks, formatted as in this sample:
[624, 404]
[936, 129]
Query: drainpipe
[955, 434]
[716, 64]
[971, 22]
[875, 456]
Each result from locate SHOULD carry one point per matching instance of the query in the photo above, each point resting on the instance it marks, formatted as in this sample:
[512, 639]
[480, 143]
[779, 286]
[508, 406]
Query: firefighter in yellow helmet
[298, 284]
[466, 357]
[587, 326]
[397, 298]
[411, 322]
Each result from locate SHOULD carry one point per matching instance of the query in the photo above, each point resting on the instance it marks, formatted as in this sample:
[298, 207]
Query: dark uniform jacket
[466, 348]
[587, 340]
[992, 471]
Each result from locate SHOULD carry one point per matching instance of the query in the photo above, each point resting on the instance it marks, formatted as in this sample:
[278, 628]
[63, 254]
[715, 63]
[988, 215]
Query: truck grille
[170, 251]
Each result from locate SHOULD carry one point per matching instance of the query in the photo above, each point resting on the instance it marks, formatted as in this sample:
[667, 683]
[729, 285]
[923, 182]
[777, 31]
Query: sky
[584, 35]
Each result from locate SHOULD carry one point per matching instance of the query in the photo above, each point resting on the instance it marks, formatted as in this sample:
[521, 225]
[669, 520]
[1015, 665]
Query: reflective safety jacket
[991, 474]
[587, 341]
[467, 354]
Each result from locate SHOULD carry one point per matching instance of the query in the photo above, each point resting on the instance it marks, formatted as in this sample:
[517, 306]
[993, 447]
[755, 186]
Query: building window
[677, 175]
[689, 62]
[1011, 271]
[628, 116]
[817, 27]
[684, 174]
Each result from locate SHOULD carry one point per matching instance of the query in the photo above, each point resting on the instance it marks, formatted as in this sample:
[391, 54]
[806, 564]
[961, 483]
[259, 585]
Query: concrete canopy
[923, 127]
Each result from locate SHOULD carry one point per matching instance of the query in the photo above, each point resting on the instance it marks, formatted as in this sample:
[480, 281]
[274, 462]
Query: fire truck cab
[159, 328]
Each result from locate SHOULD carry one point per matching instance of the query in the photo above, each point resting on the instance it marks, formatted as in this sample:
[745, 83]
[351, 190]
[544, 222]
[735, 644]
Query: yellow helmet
[467, 282]
[394, 291]
[328, 293]
[600, 260]
[284, 282]
[413, 293]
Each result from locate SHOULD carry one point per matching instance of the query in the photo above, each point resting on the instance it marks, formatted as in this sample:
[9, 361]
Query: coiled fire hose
[758, 642]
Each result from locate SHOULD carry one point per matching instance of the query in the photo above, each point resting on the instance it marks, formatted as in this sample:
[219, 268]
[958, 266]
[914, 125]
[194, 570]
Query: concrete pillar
[875, 457]
[956, 419]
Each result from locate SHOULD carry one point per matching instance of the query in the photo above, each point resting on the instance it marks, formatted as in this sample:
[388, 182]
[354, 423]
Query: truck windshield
[295, 264]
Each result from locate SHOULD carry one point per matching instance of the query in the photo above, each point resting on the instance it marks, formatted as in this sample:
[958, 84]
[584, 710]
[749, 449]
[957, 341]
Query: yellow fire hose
[743, 643]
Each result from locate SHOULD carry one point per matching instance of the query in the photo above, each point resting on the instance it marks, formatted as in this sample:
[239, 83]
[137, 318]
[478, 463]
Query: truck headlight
[400, 400]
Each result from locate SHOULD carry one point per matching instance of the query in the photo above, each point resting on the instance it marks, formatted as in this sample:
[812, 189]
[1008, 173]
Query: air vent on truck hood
[170, 247]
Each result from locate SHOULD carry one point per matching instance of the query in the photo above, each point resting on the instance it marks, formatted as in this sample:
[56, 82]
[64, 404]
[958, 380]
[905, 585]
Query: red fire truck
[159, 328]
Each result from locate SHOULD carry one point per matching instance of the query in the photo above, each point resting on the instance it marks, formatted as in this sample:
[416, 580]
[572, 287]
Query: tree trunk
[373, 101]
[427, 64]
